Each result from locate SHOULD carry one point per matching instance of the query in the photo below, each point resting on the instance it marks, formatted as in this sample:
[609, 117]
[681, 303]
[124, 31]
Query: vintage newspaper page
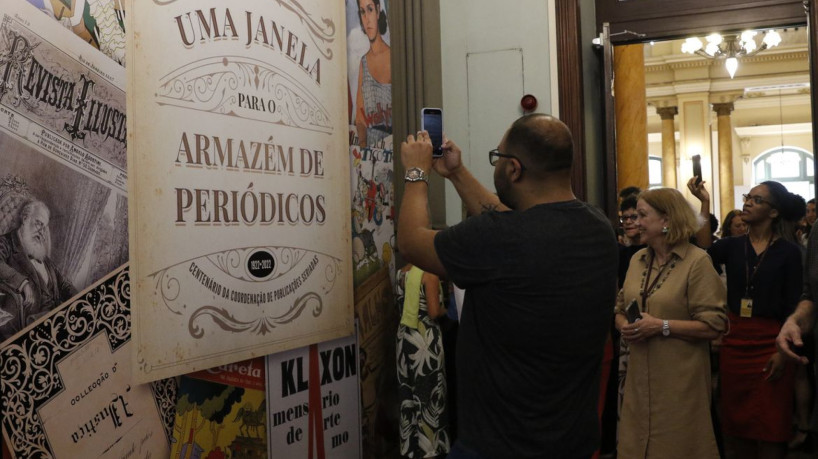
[239, 211]
[63, 182]
[66, 389]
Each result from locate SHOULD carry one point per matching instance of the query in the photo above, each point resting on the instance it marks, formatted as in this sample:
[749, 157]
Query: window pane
[810, 167]
[760, 175]
[655, 171]
[784, 164]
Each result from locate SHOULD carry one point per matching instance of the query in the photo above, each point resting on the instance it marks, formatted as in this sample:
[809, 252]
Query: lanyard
[649, 285]
[749, 277]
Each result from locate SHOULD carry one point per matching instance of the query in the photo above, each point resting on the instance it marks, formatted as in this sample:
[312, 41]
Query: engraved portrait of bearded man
[30, 283]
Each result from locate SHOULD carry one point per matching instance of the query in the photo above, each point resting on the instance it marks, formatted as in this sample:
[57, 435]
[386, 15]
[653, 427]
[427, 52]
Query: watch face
[414, 174]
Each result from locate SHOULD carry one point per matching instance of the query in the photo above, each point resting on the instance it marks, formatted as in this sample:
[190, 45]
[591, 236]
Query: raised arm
[704, 237]
[474, 195]
[416, 241]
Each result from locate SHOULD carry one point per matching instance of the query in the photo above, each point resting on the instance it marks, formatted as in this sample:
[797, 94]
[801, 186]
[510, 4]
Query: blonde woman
[666, 405]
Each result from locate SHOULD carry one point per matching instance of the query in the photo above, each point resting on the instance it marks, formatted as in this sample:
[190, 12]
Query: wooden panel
[569, 63]
[659, 19]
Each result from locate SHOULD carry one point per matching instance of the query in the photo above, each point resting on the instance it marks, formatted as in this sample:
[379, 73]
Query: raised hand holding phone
[431, 120]
[697, 168]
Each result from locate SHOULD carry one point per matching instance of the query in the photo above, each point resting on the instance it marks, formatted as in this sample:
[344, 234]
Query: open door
[611, 207]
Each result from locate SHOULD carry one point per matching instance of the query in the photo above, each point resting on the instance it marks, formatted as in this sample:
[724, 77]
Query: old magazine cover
[239, 210]
[63, 203]
[66, 387]
[221, 413]
[313, 401]
[100, 23]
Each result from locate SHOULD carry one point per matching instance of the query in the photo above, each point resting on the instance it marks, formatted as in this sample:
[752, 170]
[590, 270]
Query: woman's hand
[774, 367]
[698, 190]
[642, 330]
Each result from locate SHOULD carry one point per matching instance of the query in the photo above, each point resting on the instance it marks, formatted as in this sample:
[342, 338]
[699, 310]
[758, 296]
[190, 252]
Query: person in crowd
[33, 282]
[373, 115]
[421, 381]
[806, 223]
[791, 340]
[630, 232]
[666, 406]
[733, 225]
[629, 192]
[539, 270]
[629, 244]
[763, 286]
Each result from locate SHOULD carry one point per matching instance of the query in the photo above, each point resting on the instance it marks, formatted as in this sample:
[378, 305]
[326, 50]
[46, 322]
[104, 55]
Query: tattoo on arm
[489, 207]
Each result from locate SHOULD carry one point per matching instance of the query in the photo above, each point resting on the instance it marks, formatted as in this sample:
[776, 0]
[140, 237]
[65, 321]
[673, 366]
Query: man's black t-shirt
[540, 290]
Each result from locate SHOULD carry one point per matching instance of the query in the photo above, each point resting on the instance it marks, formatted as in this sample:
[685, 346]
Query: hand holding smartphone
[632, 312]
[697, 168]
[431, 120]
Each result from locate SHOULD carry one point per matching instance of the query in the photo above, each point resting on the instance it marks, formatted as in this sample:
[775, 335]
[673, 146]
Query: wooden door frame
[660, 19]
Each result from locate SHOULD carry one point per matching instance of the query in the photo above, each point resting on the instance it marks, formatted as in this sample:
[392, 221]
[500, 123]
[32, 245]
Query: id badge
[746, 307]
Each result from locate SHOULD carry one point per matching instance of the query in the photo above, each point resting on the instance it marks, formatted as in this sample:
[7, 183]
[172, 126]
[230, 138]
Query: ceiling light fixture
[731, 47]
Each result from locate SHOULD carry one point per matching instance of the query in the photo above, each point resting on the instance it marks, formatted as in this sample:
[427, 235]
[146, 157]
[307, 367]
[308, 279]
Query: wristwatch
[415, 174]
[665, 328]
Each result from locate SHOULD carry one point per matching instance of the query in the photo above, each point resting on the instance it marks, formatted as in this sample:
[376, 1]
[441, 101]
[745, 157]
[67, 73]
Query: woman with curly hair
[764, 276]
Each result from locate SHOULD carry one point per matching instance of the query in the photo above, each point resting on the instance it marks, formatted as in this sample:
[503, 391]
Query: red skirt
[752, 408]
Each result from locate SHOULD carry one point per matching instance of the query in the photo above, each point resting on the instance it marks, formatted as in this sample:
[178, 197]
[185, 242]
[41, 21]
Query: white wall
[492, 54]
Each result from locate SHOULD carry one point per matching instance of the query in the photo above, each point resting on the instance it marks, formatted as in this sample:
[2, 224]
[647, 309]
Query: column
[668, 145]
[726, 197]
[631, 116]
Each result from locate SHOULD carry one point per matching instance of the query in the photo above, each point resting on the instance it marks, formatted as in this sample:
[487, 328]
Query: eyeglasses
[495, 154]
[626, 218]
[756, 199]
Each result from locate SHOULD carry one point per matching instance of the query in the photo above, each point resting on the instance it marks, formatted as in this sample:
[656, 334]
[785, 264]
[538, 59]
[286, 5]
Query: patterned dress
[377, 106]
[421, 384]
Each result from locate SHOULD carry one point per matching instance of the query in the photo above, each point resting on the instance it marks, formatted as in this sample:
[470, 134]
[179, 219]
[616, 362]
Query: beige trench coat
[666, 405]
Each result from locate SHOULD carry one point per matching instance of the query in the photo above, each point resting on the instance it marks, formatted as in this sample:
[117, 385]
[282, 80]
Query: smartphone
[632, 311]
[431, 120]
[697, 168]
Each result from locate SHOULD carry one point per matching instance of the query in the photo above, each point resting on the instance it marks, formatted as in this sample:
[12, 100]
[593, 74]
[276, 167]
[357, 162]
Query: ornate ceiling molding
[679, 62]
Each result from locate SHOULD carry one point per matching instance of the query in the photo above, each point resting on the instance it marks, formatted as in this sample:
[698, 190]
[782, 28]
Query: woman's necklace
[647, 287]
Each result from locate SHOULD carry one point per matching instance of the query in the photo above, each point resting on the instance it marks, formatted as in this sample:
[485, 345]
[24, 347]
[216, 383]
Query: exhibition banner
[370, 137]
[66, 387]
[63, 182]
[313, 401]
[373, 212]
[239, 209]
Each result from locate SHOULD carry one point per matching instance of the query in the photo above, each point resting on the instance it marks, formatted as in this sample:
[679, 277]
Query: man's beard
[503, 187]
[35, 245]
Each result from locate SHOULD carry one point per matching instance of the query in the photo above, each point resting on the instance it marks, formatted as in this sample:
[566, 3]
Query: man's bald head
[544, 141]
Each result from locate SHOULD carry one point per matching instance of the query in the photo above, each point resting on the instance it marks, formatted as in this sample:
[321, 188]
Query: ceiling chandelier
[731, 47]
